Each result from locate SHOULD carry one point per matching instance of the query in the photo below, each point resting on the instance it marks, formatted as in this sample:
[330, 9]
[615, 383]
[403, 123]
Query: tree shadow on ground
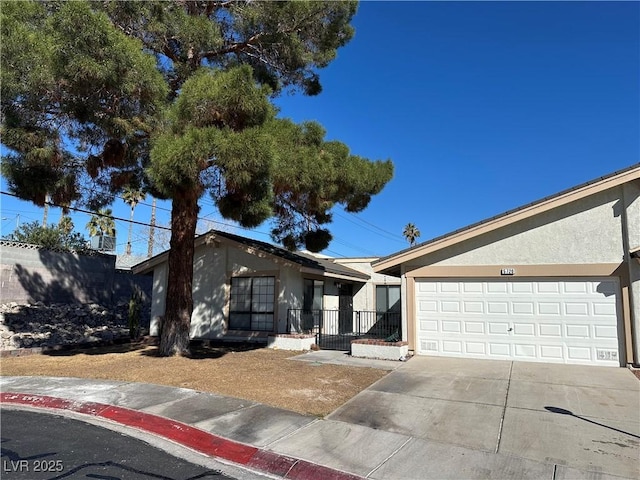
[148, 347]
[203, 350]
[117, 346]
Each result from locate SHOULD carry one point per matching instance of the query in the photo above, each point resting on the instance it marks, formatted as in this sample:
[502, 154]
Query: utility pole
[45, 215]
[152, 229]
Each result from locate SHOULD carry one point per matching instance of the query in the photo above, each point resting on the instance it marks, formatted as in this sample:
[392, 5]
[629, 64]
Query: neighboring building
[245, 289]
[555, 281]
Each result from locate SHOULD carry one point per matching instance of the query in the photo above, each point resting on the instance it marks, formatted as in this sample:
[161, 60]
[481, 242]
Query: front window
[388, 298]
[313, 293]
[251, 304]
[388, 311]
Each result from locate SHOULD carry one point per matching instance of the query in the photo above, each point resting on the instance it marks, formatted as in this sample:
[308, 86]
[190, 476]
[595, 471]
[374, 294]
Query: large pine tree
[176, 96]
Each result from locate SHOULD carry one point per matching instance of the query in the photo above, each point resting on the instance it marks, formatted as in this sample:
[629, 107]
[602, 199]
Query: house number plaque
[507, 271]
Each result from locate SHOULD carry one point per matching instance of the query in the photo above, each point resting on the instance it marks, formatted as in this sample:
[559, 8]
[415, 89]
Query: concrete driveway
[582, 421]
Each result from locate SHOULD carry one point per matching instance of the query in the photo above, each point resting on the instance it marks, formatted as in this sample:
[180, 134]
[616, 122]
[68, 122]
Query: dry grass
[259, 374]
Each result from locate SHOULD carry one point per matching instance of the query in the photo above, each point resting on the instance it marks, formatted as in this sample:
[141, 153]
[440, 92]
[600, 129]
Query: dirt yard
[259, 374]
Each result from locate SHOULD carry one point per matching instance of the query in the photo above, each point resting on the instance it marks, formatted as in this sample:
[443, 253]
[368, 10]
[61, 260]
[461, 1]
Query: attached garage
[555, 281]
[568, 320]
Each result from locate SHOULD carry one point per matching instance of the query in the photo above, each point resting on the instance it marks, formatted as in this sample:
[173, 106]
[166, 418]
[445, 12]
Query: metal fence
[334, 329]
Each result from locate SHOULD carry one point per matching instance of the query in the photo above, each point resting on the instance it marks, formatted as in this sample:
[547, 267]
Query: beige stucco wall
[215, 263]
[210, 292]
[158, 297]
[586, 231]
[364, 295]
[600, 229]
[331, 300]
[631, 201]
[290, 295]
[213, 266]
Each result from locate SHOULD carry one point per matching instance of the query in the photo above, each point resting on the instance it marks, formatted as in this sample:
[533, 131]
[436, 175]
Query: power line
[387, 235]
[81, 210]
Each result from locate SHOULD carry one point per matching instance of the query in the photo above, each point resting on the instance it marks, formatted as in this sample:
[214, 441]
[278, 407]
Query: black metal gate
[335, 329]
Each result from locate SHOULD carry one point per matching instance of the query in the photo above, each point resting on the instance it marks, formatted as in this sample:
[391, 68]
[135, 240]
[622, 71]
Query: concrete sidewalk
[402, 427]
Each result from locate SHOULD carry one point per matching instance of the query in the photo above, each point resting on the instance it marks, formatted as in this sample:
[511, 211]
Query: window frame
[387, 287]
[256, 308]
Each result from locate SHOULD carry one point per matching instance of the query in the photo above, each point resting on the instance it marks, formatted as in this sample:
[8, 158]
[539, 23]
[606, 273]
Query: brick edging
[188, 436]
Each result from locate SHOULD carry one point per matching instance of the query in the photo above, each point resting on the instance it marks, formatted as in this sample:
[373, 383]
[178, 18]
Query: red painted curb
[188, 436]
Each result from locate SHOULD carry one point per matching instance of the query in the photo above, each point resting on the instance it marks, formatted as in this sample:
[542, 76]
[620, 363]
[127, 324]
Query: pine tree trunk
[174, 337]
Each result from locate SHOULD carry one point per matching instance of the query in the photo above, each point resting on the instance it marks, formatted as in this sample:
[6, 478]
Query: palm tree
[131, 197]
[411, 233]
[102, 223]
[65, 224]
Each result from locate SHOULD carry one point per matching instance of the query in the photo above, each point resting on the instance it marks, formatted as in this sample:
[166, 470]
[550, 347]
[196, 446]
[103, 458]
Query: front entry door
[345, 307]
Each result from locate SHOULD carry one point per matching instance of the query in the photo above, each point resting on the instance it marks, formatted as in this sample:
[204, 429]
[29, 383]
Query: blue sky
[482, 107]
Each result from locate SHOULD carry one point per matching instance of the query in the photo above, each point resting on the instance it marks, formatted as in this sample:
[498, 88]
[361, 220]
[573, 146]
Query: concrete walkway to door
[500, 419]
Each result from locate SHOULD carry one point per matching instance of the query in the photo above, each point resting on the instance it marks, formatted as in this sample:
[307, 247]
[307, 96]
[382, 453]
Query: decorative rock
[40, 325]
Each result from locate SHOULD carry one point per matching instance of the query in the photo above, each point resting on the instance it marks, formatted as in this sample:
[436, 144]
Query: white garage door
[539, 320]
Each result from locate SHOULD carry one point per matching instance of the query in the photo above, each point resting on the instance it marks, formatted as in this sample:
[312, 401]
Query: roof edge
[509, 217]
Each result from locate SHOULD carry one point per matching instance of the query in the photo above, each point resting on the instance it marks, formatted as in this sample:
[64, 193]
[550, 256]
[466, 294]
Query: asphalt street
[39, 446]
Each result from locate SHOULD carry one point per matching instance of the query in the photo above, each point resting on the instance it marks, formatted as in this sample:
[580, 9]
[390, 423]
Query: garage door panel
[524, 351]
[498, 328]
[554, 320]
[548, 287]
[474, 328]
[605, 331]
[496, 288]
[577, 331]
[452, 347]
[500, 349]
[550, 330]
[473, 288]
[475, 348]
[521, 287]
[579, 354]
[546, 308]
[551, 353]
[494, 308]
[528, 329]
[473, 307]
[604, 309]
[452, 287]
[429, 325]
[450, 307]
[576, 287]
[426, 287]
[451, 326]
[572, 308]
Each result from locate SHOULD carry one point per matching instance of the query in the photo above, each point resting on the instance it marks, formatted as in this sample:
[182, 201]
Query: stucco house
[245, 289]
[554, 281]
